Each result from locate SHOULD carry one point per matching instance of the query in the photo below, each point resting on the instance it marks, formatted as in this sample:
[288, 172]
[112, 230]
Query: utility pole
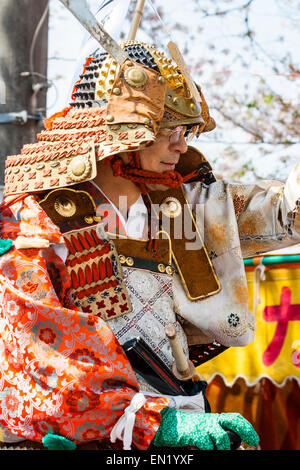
[23, 72]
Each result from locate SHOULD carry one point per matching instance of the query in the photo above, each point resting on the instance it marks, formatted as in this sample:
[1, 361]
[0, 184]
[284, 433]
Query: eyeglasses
[180, 132]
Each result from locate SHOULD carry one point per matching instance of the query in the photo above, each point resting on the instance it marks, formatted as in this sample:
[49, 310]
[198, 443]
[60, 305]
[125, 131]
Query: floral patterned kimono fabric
[61, 370]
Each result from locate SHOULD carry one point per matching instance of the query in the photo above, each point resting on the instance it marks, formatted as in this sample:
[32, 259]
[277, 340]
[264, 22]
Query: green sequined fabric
[203, 430]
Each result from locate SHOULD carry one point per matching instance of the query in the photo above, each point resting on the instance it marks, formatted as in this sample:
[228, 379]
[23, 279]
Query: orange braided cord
[48, 123]
[88, 61]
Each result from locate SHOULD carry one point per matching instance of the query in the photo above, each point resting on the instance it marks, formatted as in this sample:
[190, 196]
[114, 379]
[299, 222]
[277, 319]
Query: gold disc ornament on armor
[171, 207]
[79, 168]
[65, 207]
[135, 76]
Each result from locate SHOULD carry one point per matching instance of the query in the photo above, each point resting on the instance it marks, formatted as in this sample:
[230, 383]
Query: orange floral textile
[61, 370]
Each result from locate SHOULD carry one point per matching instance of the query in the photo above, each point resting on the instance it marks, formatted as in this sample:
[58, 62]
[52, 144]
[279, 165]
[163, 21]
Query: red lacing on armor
[88, 256]
[98, 288]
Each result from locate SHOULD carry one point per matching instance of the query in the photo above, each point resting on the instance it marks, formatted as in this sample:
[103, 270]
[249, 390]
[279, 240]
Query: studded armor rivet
[135, 76]
[79, 168]
[116, 91]
[129, 261]
[161, 267]
[89, 219]
[146, 121]
[171, 207]
[169, 270]
[115, 127]
[122, 259]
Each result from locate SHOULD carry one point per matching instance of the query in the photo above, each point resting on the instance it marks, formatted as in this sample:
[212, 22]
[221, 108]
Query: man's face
[162, 156]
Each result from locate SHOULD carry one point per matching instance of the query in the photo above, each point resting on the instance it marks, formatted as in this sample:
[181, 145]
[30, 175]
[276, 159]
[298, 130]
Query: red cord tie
[135, 173]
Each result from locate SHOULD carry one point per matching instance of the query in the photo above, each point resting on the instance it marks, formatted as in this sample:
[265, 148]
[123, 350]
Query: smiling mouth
[169, 163]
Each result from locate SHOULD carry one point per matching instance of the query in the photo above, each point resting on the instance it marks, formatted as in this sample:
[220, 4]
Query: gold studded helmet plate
[128, 91]
[115, 108]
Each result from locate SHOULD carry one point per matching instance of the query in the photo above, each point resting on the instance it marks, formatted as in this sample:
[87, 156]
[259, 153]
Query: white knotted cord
[30, 242]
[124, 426]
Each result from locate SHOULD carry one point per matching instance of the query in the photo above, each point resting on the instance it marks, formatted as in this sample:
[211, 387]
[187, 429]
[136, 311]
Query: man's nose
[181, 145]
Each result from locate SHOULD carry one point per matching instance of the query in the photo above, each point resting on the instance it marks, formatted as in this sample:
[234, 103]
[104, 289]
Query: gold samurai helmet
[115, 108]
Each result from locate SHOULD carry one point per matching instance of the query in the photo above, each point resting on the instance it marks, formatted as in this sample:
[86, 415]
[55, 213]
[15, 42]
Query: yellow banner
[275, 352]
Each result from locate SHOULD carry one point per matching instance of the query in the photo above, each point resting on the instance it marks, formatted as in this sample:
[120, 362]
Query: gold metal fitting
[64, 206]
[116, 91]
[122, 259]
[40, 166]
[161, 267]
[135, 76]
[109, 118]
[169, 270]
[129, 261]
[89, 219]
[79, 168]
[115, 127]
[171, 207]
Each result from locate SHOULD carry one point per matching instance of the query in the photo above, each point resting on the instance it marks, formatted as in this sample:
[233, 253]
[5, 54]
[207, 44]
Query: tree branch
[229, 10]
[242, 126]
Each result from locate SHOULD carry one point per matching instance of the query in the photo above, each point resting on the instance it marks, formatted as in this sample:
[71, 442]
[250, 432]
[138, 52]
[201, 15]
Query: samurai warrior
[121, 266]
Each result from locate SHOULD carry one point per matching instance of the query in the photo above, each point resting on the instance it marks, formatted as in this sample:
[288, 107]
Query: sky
[267, 17]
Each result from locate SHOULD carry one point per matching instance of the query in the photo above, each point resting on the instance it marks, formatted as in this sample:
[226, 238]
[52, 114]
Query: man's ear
[124, 156]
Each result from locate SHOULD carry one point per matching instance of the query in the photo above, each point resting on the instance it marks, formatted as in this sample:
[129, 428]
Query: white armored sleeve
[267, 214]
[237, 221]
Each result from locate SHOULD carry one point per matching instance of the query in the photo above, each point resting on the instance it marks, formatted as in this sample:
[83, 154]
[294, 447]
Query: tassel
[5, 245]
